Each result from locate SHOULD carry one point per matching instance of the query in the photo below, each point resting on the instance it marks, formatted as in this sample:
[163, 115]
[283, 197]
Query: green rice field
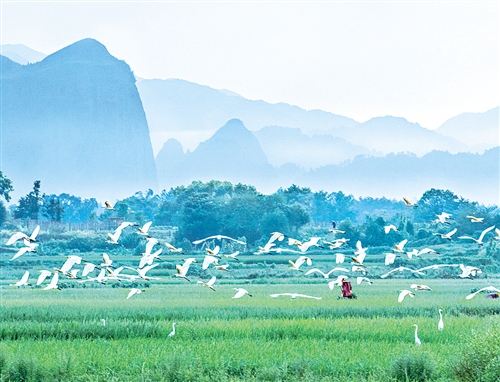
[59, 336]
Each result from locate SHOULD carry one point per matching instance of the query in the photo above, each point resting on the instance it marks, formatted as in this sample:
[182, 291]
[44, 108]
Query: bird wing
[146, 226]
[485, 232]
[211, 281]
[316, 270]
[450, 234]
[132, 292]
[306, 296]
[16, 237]
[21, 252]
[240, 293]
[34, 233]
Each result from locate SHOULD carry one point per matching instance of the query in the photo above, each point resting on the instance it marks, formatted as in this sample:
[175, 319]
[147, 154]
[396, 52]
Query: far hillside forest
[201, 209]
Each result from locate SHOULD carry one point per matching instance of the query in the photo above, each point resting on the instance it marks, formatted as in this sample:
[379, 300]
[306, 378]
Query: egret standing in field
[417, 340]
[440, 323]
[172, 333]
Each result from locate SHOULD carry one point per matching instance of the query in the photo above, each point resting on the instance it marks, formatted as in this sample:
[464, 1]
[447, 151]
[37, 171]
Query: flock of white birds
[153, 248]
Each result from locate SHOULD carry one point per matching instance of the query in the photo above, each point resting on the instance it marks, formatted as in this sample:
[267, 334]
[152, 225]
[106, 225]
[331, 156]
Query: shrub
[412, 368]
[480, 357]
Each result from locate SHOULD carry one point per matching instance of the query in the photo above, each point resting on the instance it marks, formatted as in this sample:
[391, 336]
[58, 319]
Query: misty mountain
[473, 176]
[75, 121]
[394, 135]
[289, 145]
[232, 153]
[480, 129]
[21, 53]
[188, 112]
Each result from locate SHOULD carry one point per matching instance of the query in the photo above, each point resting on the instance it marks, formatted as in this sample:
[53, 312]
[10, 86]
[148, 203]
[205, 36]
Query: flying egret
[134, 291]
[171, 248]
[213, 252]
[124, 225]
[68, 264]
[443, 218]
[389, 258]
[468, 270]
[437, 266]
[148, 259]
[43, 275]
[20, 235]
[113, 238]
[107, 262]
[23, 250]
[446, 236]
[233, 255]
[276, 236]
[219, 237]
[408, 203]
[474, 219]
[489, 289]
[326, 275]
[172, 333]
[101, 277]
[265, 249]
[88, 268]
[360, 279]
[389, 228]
[209, 283]
[440, 323]
[294, 295]
[144, 229]
[480, 240]
[301, 260]
[401, 269]
[361, 252]
[339, 258]
[310, 243]
[53, 282]
[209, 260]
[420, 287]
[24, 280]
[183, 269]
[357, 268]
[399, 247]
[497, 233]
[417, 340]
[222, 267]
[338, 281]
[240, 292]
[404, 293]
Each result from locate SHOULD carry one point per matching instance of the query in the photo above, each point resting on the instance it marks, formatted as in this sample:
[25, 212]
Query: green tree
[52, 209]
[30, 204]
[5, 187]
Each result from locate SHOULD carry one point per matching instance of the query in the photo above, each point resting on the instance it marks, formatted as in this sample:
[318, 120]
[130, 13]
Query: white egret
[264, 249]
[488, 289]
[310, 243]
[240, 292]
[360, 279]
[399, 247]
[301, 260]
[474, 219]
[480, 240]
[338, 281]
[417, 340]
[213, 252]
[23, 250]
[276, 236]
[408, 203]
[24, 280]
[171, 248]
[404, 293]
[401, 269]
[294, 295]
[183, 269]
[107, 262]
[53, 282]
[357, 268]
[150, 243]
[172, 333]
[361, 252]
[68, 264]
[339, 258]
[218, 237]
[389, 228]
[148, 259]
[209, 283]
[209, 260]
[144, 229]
[233, 255]
[89, 267]
[124, 225]
[222, 267]
[468, 270]
[113, 238]
[440, 323]
[43, 275]
[20, 235]
[134, 291]
[497, 233]
[103, 322]
[389, 258]
[443, 218]
[446, 236]
[420, 287]
[326, 275]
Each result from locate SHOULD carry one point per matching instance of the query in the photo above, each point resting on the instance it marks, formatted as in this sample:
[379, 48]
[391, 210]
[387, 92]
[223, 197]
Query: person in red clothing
[346, 289]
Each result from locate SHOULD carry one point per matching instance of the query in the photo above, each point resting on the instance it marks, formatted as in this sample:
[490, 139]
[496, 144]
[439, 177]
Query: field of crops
[59, 335]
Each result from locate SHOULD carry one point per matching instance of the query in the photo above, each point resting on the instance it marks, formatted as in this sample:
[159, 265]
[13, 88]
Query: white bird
[401, 269]
[440, 323]
[233, 255]
[276, 236]
[113, 238]
[21, 235]
[408, 203]
[437, 266]
[103, 322]
[171, 248]
[446, 236]
[417, 252]
[389, 258]
[89, 267]
[308, 244]
[338, 281]
[357, 268]
[23, 250]
[360, 279]
[150, 243]
[399, 247]
[474, 219]
[443, 218]
[480, 240]
[337, 243]
[53, 282]
[209, 283]
[148, 259]
[222, 267]
[218, 237]
[361, 252]
[183, 269]
[107, 262]
[301, 260]
[294, 295]
[142, 272]
[213, 252]
[389, 228]
[114, 274]
[209, 260]
[326, 275]
[488, 289]
[124, 225]
[172, 333]
[283, 250]
[134, 291]
[420, 287]
[68, 264]
[404, 293]
[497, 233]
[24, 280]
[240, 292]
[339, 258]
[144, 229]
[101, 277]
[265, 249]
[417, 340]
[468, 271]
[43, 275]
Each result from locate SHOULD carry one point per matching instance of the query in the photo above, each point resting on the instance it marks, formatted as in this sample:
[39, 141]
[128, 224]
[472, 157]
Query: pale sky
[424, 61]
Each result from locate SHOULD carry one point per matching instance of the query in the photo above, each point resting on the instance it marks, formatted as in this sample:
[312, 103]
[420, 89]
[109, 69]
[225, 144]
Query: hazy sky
[424, 61]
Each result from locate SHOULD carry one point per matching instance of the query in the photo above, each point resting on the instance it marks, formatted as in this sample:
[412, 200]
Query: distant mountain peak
[87, 49]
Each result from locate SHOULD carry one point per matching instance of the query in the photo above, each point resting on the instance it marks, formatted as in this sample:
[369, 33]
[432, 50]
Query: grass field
[58, 335]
